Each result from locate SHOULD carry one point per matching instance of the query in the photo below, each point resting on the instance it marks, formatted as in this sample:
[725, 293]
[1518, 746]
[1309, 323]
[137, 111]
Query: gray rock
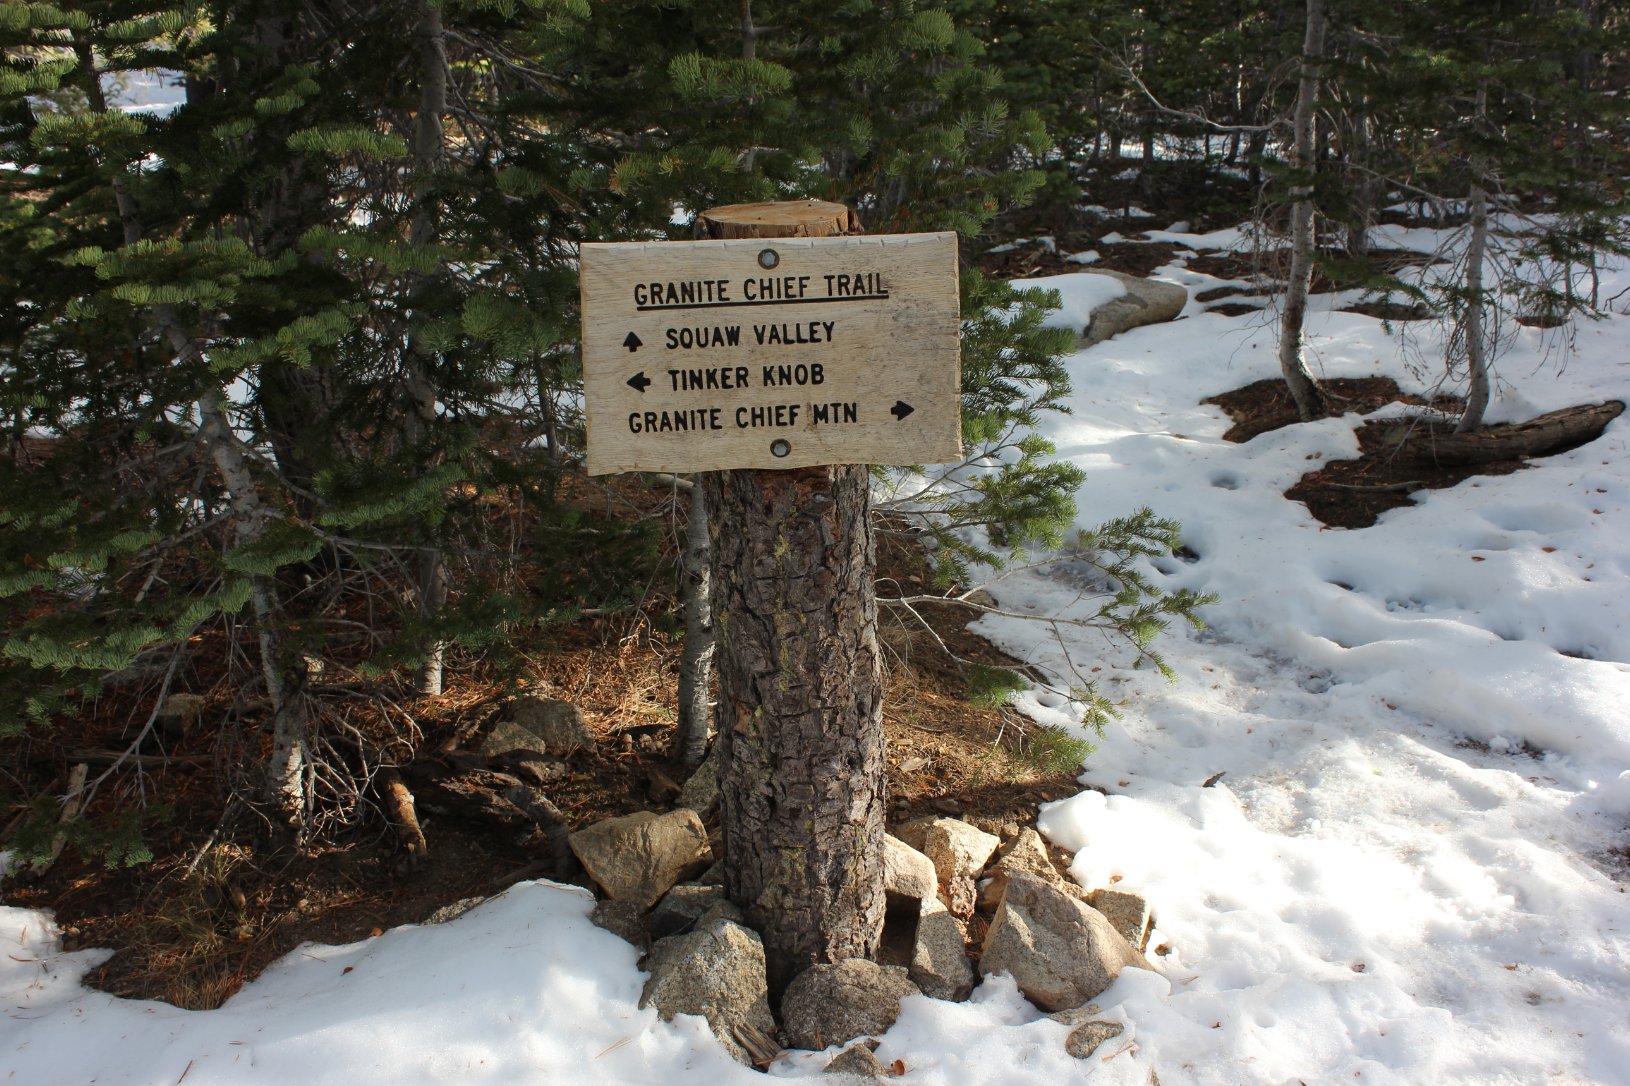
[826, 1004]
[1060, 951]
[637, 858]
[623, 919]
[1089, 1035]
[453, 911]
[701, 791]
[1146, 301]
[507, 736]
[1027, 852]
[907, 872]
[690, 906]
[939, 961]
[180, 712]
[1128, 912]
[557, 723]
[1077, 1016]
[959, 853]
[716, 972]
[857, 1060]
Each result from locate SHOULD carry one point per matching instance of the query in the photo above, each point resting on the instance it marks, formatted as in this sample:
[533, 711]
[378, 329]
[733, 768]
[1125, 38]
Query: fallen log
[1419, 440]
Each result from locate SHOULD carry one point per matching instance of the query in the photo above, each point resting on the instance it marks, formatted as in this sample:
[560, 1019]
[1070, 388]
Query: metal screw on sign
[780, 447]
[768, 259]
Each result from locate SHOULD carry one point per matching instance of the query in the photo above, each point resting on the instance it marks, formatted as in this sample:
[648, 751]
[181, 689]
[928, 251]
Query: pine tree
[314, 300]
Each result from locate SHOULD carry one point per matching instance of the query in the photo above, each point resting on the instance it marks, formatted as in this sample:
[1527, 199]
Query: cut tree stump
[1421, 441]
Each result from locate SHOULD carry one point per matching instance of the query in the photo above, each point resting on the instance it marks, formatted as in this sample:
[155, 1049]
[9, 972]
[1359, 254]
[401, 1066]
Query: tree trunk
[420, 409]
[696, 664]
[1414, 441]
[284, 782]
[1293, 312]
[1472, 327]
[800, 685]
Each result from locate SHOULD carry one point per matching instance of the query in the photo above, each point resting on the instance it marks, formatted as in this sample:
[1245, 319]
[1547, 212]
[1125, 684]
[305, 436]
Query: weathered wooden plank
[759, 353]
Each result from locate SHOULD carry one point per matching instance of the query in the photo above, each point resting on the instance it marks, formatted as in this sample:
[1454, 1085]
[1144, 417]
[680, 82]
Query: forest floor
[209, 911]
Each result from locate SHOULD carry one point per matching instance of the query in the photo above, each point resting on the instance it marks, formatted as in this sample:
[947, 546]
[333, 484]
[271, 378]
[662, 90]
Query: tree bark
[1472, 327]
[1543, 435]
[802, 788]
[696, 663]
[1472, 324]
[1293, 311]
[420, 410]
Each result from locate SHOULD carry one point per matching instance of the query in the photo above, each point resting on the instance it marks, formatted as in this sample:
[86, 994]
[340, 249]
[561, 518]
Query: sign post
[781, 358]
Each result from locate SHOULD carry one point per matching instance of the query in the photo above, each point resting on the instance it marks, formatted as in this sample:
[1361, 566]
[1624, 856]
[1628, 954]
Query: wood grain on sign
[771, 353]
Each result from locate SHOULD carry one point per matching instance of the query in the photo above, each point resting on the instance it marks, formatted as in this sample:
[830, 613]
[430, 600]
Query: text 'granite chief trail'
[771, 353]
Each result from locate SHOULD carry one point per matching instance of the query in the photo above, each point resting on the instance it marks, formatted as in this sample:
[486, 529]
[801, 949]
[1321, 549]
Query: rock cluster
[1061, 944]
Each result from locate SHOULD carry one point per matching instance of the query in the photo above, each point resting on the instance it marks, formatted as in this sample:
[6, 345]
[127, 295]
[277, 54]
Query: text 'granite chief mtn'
[771, 353]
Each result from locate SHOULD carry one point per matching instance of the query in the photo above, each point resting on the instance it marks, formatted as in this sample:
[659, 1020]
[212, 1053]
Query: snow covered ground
[1405, 875]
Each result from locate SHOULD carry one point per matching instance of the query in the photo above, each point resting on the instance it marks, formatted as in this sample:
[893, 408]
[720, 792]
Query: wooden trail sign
[771, 353]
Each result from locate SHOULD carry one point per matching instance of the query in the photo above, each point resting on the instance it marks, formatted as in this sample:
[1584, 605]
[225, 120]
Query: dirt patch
[1266, 405]
[1030, 261]
[1350, 493]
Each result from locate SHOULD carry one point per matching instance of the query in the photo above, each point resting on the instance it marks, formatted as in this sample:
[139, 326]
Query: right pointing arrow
[901, 409]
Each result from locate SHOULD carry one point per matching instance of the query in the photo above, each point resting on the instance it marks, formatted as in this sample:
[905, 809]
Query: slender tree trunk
[285, 679]
[1293, 311]
[284, 780]
[800, 687]
[421, 393]
[1472, 328]
[696, 664]
[1364, 188]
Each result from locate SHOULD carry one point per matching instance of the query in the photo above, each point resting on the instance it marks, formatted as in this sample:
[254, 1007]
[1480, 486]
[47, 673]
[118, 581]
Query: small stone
[690, 906]
[907, 872]
[827, 1004]
[1146, 301]
[623, 919]
[557, 723]
[1026, 852]
[857, 1059]
[959, 853]
[446, 912]
[533, 768]
[637, 858]
[1089, 1035]
[1060, 951]
[1128, 912]
[1076, 1016]
[939, 961]
[507, 736]
[180, 712]
[716, 972]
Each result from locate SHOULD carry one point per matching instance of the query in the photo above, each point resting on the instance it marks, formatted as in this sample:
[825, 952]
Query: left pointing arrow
[632, 342]
[639, 382]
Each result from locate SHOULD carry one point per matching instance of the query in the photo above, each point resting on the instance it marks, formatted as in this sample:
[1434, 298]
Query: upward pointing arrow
[632, 342]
